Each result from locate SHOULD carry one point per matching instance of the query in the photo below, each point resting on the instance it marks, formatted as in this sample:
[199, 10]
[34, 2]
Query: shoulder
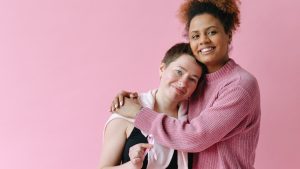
[241, 78]
[147, 99]
[117, 122]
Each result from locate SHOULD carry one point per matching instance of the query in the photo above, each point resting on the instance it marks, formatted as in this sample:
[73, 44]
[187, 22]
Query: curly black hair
[226, 11]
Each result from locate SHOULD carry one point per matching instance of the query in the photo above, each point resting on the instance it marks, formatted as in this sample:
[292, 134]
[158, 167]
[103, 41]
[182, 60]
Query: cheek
[224, 47]
[167, 78]
[192, 88]
[223, 42]
[194, 47]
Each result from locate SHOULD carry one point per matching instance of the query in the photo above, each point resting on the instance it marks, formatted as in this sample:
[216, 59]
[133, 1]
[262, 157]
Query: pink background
[62, 61]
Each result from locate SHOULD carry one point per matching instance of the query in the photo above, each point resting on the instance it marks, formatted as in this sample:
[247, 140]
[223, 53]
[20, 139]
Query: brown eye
[211, 33]
[194, 80]
[195, 37]
[179, 72]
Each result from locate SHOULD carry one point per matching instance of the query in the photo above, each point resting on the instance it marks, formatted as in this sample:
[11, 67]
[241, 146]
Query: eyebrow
[192, 75]
[207, 28]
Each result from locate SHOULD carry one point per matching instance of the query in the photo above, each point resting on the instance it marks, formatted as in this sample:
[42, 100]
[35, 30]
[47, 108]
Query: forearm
[211, 126]
[173, 133]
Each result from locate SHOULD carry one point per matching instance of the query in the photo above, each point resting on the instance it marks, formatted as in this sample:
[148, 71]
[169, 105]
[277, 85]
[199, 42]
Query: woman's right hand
[119, 99]
[137, 154]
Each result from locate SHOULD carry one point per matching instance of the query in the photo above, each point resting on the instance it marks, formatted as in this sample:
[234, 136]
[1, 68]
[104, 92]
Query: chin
[205, 60]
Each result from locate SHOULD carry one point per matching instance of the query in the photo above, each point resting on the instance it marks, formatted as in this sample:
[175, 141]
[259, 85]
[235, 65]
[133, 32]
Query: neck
[164, 105]
[211, 68]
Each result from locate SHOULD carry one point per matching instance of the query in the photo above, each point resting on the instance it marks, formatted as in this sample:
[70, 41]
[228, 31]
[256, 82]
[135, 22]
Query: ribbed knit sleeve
[223, 125]
[212, 125]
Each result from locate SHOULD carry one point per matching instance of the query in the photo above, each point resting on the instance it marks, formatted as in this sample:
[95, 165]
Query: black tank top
[136, 137]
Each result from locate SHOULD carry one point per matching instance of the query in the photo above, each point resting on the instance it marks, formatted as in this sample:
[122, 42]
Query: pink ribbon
[151, 141]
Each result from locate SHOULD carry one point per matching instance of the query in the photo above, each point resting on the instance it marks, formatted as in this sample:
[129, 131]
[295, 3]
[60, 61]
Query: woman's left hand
[137, 153]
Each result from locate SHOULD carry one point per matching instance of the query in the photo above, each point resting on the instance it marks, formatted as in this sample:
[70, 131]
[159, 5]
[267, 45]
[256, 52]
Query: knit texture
[223, 121]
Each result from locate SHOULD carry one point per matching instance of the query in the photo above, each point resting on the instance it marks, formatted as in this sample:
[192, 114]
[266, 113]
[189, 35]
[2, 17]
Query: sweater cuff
[144, 119]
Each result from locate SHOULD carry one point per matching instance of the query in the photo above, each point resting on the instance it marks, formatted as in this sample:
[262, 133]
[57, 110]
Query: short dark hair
[178, 50]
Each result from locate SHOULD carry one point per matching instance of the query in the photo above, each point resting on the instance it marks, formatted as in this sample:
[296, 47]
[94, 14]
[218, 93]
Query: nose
[182, 82]
[204, 39]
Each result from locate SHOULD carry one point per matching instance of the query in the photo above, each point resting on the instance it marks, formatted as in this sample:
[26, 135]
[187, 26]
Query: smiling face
[180, 78]
[208, 41]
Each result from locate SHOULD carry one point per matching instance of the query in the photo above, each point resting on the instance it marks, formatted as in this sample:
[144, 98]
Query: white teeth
[206, 50]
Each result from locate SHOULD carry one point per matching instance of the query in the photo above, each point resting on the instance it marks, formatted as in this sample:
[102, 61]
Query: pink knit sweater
[223, 126]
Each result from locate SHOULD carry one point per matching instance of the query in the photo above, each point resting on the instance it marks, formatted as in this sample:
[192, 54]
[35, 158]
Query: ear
[229, 37]
[162, 69]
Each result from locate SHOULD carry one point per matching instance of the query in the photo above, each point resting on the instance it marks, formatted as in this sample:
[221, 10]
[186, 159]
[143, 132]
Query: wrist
[138, 110]
[133, 166]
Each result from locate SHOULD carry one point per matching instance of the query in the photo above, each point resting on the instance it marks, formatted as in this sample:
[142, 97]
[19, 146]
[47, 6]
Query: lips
[207, 50]
[179, 91]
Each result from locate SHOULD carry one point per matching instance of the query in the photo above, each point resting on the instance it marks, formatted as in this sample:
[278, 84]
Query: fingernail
[116, 105]
[121, 103]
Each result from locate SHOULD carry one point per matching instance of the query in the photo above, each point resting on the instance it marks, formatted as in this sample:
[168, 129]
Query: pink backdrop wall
[61, 63]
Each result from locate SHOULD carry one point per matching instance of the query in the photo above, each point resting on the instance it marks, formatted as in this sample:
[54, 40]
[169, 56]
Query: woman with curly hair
[224, 116]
